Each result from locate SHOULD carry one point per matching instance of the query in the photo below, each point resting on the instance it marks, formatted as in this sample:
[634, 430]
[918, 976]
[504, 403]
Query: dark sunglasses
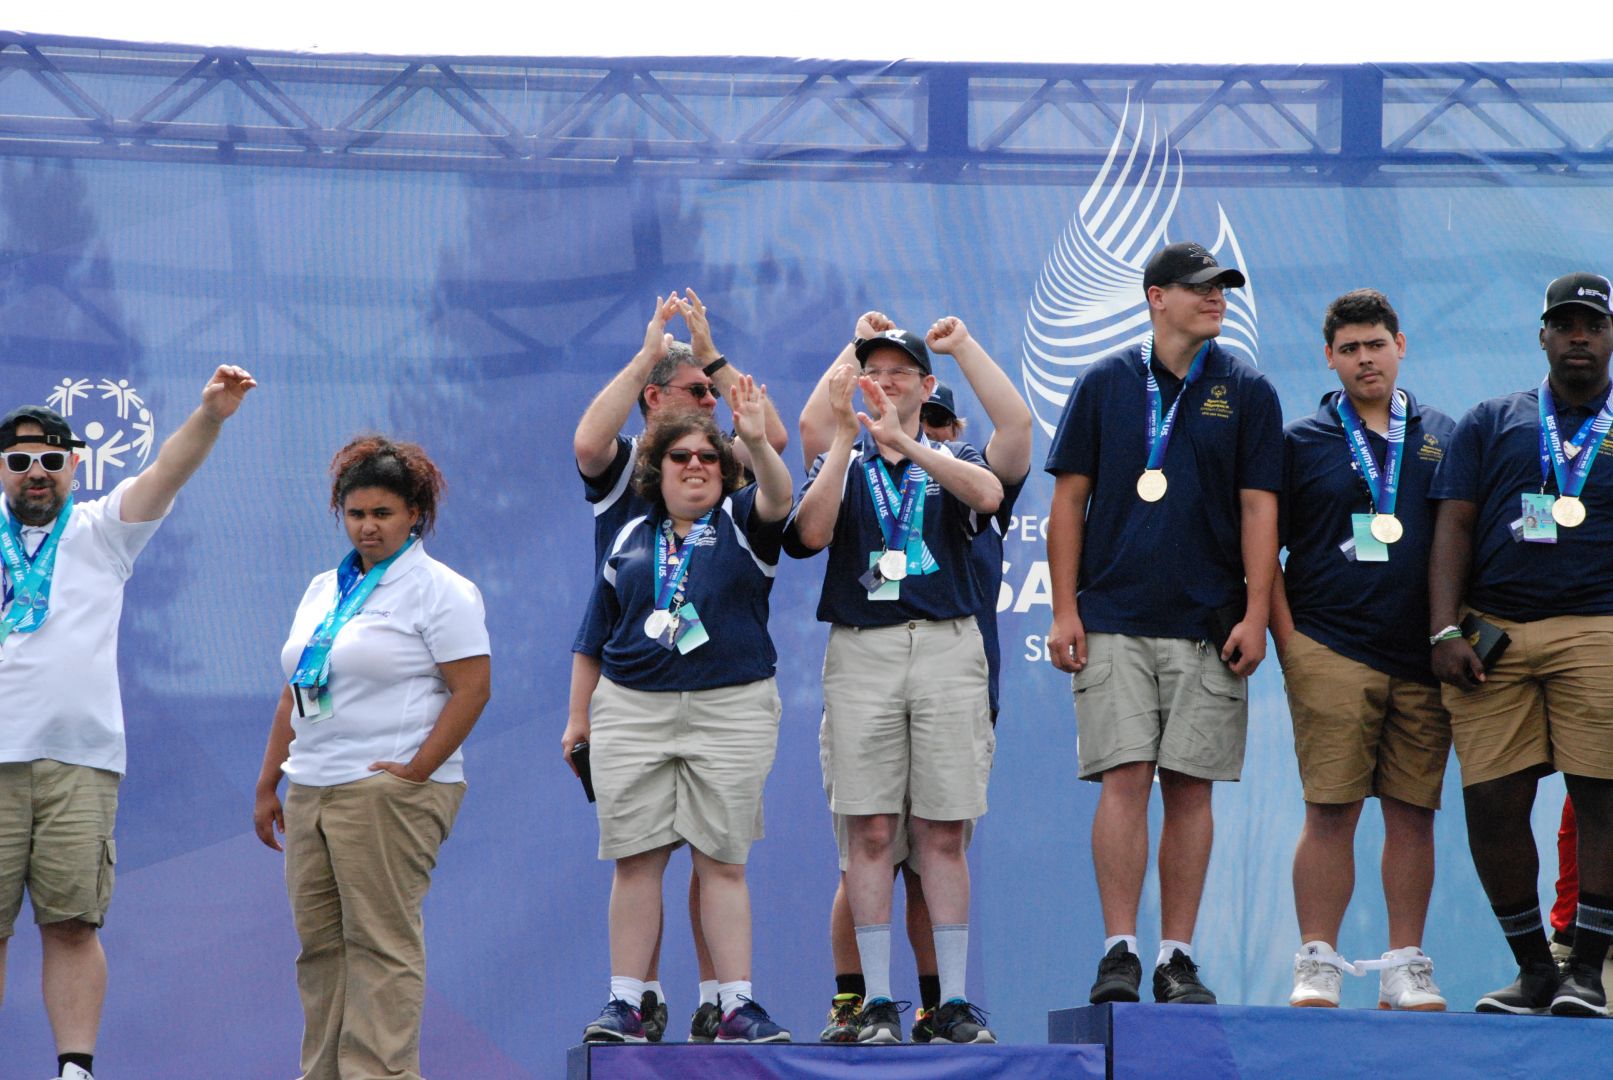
[681, 456]
[20, 461]
[699, 391]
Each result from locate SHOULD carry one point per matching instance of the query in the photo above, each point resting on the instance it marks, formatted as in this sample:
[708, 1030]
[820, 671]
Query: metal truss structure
[738, 118]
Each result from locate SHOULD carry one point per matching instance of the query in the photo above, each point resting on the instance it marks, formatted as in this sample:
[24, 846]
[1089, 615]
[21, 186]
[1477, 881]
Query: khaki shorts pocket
[1093, 675]
[107, 876]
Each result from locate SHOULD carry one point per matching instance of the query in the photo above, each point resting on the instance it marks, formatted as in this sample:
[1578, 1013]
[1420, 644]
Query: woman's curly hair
[399, 467]
[666, 430]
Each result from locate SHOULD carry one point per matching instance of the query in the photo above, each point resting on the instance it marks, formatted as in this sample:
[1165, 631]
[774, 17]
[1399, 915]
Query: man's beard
[38, 507]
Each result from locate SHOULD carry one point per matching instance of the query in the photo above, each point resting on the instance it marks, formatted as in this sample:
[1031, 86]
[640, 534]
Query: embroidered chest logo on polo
[1430, 450]
[1217, 404]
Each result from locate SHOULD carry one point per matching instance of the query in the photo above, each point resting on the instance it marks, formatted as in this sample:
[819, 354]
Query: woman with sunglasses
[684, 722]
[388, 668]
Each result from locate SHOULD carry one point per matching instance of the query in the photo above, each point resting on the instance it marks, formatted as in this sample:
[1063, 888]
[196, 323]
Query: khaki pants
[359, 858]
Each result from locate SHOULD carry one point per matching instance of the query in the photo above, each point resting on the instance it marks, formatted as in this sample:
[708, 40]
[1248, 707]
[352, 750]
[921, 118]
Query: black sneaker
[1531, 992]
[1581, 992]
[842, 1025]
[1120, 973]
[653, 1010]
[880, 1021]
[923, 1027]
[704, 1023]
[1176, 982]
[957, 1021]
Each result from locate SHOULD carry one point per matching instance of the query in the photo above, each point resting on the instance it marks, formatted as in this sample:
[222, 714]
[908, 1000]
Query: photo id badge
[1368, 548]
[694, 631]
[311, 703]
[1535, 525]
[878, 588]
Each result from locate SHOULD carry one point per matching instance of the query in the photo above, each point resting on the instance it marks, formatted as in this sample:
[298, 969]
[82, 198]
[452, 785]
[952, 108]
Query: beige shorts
[1546, 702]
[672, 767]
[906, 720]
[1170, 701]
[56, 838]
[1359, 732]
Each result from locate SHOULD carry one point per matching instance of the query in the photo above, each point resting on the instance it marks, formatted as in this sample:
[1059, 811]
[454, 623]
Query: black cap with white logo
[905, 340]
[1582, 288]
[1188, 263]
[55, 428]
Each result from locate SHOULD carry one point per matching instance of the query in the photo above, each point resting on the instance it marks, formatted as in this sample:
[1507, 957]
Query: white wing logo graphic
[1089, 301]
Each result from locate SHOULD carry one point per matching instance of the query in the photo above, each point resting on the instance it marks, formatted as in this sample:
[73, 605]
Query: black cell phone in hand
[579, 758]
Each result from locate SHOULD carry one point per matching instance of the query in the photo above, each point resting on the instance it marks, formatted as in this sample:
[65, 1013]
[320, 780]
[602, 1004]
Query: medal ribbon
[896, 527]
[1587, 442]
[1160, 422]
[1382, 484]
[670, 574]
[313, 669]
[28, 579]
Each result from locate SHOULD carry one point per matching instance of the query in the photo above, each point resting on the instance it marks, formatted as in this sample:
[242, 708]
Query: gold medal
[1151, 485]
[657, 623]
[893, 565]
[1568, 511]
[1386, 528]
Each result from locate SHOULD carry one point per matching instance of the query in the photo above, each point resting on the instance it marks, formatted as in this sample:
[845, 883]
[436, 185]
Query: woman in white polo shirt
[388, 669]
[684, 722]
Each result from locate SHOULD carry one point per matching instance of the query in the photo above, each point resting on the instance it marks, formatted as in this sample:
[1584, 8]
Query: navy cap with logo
[1187, 263]
[1582, 288]
[55, 428]
[941, 401]
[905, 340]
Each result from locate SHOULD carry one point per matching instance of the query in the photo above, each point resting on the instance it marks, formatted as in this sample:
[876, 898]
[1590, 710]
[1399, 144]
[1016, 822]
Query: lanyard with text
[28, 580]
[898, 513]
[1161, 422]
[672, 561]
[312, 677]
[1383, 485]
[1570, 462]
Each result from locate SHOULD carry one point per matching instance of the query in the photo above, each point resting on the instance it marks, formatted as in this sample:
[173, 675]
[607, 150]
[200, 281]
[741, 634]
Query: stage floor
[817, 1061]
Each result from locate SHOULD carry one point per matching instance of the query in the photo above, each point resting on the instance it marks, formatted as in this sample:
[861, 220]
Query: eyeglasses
[680, 456]
[699, 391]
[1203, 288]
[20, 461]
[893, 372]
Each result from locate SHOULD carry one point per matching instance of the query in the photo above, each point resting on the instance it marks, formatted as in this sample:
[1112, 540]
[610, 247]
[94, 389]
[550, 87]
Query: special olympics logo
[1088, 301]
[113, 419]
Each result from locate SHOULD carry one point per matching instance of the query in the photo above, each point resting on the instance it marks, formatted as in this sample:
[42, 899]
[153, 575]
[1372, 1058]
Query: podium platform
[817, 1061]
[1213, 1042]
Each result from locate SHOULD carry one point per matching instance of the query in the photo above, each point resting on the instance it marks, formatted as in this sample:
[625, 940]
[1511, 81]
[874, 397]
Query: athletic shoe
[704, 1023]
[842, 1025]
[74, 1072]
[1531, 992]
[653, 1011]
[1176, 982]
[1120, 973]
[749, 1023]
[957, 1021]
[1409, 984]
[1581, 992]
[1317, 973]
[618, 1022]
[923, 1027]
[880, 1022]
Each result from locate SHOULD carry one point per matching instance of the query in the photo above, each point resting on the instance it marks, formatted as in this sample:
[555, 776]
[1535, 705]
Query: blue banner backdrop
[153, 223]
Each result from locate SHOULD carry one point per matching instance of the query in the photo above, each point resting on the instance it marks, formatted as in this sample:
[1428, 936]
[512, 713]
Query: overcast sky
[1173, 31]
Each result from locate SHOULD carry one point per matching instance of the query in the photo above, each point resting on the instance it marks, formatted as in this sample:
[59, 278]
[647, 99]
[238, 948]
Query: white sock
[1167, 946]
[1129, 939]
[1317, 946]
[952, 959]
[729, 993]
[653, 986]
[708, 991]
[627, 989]
[874, 947]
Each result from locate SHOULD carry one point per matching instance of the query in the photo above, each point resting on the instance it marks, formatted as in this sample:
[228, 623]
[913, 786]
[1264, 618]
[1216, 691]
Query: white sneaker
[1408, 983]
[74, 1072]
[1317, 970]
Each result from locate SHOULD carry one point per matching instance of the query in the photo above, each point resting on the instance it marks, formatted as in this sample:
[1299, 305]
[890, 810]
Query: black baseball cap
[55, 428]
[1582, 288]
[1187, 263]
[906, 340]
[940, 399]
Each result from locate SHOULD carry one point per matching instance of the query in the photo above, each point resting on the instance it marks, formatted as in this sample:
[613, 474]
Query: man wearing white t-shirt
[63, 568]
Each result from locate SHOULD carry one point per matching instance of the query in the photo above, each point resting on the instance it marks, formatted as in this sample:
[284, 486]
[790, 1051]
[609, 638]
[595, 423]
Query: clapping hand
[885, 428]
[748, 401]
[842, 384]
[694, 316]
[656, 339]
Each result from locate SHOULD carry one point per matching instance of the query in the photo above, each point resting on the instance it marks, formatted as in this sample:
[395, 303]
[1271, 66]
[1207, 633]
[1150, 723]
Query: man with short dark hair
[1347, 616]
[1161, 546]
[1523, 541]
[63, 566]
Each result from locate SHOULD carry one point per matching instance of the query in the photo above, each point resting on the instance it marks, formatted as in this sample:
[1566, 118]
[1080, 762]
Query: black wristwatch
[715, 366]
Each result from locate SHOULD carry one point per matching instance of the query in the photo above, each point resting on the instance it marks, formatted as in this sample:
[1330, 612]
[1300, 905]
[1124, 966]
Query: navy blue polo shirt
[1375, 613]
[986, 560]
[1160, 569]
[612, 497]
[728, 582]
[952, 592]
[1494, 459]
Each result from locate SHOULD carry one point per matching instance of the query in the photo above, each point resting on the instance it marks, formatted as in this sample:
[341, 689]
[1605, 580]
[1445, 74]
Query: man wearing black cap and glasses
[1523, 540]
[1162, 543]
[61, 745]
